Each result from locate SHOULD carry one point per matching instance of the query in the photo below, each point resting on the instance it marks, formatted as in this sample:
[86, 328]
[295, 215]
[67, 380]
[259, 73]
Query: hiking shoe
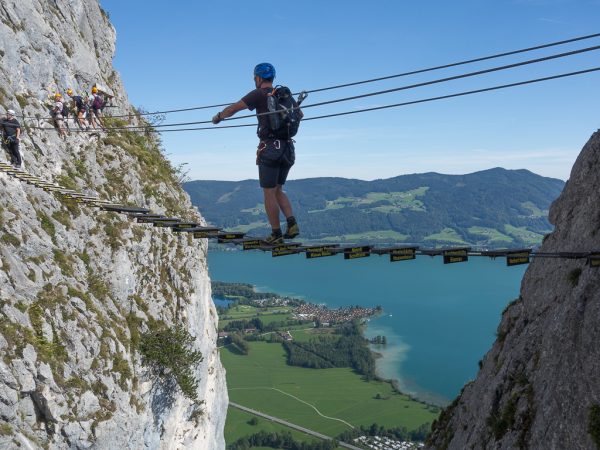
[274, 239]
[292, 231]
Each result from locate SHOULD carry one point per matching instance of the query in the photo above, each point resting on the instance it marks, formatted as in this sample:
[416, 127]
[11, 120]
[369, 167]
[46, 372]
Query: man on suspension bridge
[11, 133]
[275, 155]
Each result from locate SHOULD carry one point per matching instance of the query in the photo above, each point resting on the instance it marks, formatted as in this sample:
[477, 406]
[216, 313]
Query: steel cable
[387, 77]
[375, 108]
[382, 92]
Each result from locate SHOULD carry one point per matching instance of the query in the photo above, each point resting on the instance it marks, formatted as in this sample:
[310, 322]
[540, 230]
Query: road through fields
[291, 425]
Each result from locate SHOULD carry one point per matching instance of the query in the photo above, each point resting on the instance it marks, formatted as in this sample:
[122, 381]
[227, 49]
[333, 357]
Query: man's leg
[15, 156]
[268, 182]
[98, 115]
[59, 124]
[272, 207]
[283, 201]
[9, 147]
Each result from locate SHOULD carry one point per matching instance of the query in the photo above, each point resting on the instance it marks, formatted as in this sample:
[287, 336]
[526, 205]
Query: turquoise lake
[439, 319]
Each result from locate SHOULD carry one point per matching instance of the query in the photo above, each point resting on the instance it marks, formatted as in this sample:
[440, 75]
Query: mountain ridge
[492, 208]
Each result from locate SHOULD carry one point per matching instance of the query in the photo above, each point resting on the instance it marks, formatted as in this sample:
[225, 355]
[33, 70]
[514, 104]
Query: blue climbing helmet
[265, 70]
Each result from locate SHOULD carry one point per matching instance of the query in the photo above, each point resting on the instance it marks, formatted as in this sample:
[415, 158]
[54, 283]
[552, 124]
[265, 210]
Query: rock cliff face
[539, 385]
[79, 288]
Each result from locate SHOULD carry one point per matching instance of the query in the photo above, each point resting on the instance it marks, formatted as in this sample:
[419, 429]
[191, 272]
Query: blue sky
[183, 54]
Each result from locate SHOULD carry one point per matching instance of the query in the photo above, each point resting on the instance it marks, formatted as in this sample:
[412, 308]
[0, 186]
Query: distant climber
[11, 134]
[276, 153]
[80, 106]
[96, 104]
[58, 114]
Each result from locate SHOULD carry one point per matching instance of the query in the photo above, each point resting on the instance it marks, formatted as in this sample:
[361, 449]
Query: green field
[263, 381]
[535, 211]
[393, 202]
[529, 237]
[237, 426]
[247, 312]
[492, 235]
[446, 235]
[305, 334]
[241, 311]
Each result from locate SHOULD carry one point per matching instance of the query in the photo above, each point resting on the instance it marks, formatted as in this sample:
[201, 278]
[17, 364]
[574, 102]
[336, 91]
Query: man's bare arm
[229, 111]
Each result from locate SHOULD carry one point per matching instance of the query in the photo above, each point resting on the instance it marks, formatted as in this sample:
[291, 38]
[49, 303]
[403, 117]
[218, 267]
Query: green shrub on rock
[169, 353]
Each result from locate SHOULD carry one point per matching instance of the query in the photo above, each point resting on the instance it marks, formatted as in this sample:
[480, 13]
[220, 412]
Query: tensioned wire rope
[376, 108]
[371, 94]
[372, 80]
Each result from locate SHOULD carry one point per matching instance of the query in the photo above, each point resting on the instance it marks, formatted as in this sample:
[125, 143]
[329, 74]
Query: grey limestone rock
[29, 355]
[78, 286]
[24, 376]
[7, 377]
[540, 381]
[88, 404]
[45, 373]
[9, 397]
[27, 411]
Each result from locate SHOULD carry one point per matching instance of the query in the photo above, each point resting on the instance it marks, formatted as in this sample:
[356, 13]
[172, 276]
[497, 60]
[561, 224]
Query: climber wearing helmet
[96, 103]
[81, 108]
[272, 174]
[58, 114]
[11, 130]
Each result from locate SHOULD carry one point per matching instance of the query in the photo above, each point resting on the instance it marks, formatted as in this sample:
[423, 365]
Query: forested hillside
[492, 208]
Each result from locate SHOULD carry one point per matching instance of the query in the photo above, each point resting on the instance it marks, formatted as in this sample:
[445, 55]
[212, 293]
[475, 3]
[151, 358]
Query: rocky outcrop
[79, 288]
[538, 387]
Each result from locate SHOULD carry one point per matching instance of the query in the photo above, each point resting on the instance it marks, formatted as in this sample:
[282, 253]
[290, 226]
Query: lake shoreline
[385, 372]
[379, 357]
[439, 319]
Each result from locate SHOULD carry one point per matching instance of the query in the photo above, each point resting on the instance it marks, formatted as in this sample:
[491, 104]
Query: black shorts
[270, 177]
[274, 158]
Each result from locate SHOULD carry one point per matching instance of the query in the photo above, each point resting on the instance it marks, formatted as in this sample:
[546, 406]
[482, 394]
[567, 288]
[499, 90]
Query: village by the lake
[249, 312]
[273, 345]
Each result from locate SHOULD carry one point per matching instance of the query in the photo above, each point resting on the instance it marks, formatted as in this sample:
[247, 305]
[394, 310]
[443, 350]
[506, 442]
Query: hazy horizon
[386, 178]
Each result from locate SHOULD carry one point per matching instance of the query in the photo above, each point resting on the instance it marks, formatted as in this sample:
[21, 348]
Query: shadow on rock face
[163, 397]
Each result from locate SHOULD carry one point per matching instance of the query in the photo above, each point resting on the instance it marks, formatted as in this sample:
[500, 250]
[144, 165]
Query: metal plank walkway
[516, 256]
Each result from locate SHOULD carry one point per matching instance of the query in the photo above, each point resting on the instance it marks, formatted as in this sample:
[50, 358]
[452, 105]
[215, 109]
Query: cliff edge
[538, 387]
[80, 288]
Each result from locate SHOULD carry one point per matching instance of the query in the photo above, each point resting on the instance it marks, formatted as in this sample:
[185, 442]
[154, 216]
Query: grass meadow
[263, 381]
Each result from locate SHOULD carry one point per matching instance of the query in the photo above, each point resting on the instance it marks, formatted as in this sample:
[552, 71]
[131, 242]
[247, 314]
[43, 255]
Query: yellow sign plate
[452, 256]
[357, 252]
[252, 245]
[517, 258]
[402, 254]
[320, 252]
